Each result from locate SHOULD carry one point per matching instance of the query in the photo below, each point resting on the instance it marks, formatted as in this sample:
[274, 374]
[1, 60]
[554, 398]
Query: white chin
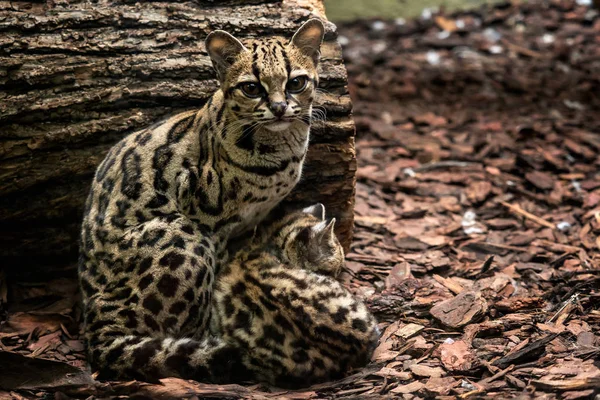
[278, 126]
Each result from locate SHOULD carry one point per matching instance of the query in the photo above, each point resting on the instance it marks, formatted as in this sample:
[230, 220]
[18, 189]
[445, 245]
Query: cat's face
[309, 241]
[270, 82]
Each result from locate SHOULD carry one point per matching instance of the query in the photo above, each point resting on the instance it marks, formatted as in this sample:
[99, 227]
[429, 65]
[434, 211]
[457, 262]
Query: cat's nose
[278, 108]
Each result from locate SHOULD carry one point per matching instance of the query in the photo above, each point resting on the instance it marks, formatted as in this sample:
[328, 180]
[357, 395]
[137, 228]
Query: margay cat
[166, 200]
[295, 325]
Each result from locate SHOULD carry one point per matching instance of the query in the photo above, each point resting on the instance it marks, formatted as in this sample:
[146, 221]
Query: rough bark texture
[76, 76]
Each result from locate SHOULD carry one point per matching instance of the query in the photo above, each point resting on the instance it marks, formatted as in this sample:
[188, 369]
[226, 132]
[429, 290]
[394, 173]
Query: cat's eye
[297, 84]
[251, 89]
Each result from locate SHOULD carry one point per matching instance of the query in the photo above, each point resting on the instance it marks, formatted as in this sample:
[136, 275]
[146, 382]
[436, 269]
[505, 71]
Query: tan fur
[296, 327]
[166, 201]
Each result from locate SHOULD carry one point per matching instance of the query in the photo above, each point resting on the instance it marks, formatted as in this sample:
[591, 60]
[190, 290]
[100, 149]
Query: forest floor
[477, 219]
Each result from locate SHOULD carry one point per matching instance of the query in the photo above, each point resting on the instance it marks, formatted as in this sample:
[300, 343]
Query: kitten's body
[166, 200]
[294, 326]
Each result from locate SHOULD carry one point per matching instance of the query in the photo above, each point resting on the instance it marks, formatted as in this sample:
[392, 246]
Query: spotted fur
[166, 201]
[293, 326]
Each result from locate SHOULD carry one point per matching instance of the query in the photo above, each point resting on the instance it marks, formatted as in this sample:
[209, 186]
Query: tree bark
[77, 76]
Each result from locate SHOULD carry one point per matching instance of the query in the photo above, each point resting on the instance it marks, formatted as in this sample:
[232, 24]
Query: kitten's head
[271, 82]
[308, 241]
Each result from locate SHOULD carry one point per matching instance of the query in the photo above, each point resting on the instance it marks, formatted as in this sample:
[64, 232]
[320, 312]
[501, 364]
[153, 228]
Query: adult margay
[166, 200]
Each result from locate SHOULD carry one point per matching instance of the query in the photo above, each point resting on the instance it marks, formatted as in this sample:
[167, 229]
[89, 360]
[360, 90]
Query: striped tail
[150, 359]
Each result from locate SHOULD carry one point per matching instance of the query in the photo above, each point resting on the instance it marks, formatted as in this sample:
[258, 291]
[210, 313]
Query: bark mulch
[477, 220]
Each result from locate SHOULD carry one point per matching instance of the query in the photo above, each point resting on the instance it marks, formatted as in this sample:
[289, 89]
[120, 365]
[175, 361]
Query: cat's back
[307, 325]
[138, 167]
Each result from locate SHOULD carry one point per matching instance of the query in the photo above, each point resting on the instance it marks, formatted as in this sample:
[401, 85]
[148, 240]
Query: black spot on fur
[108, 308]
[131, 185]
[179, 129]
[101, 279]
[319, 306]
[189, 295]
[168, 285]
[144, 265]
[189, 229]
[131, 317]
[145, 281]
[114, 354]
[162, 157]
[318, 362]
[176, 241]
[238, 288]
[300, 356]
[180, 364]
[206, 203]
[142, 354]
[119, 219]
[170, 322]
[339, 317]
[199, 251]
[157, 201]
[126, 244]
[194, 312]
[359, 324]
[151, 237]
[229, 308]
[272, 333]
[242, 320]
[99, 324]
[266, 149]
[140, 216]
[226, 365]
[200, 277]
[120, 294]
[177, 308]
[153, 304]
[298, 283]
[173, 260]
[143, 138]
[224, 222]
[132, 300]
[151, 323]
[246, 140]
[283, 323]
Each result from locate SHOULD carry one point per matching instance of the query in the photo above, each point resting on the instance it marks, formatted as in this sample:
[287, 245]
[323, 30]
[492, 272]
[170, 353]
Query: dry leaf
[446, 24]
[423, 370]
[458, 356]
[409, 388]
[465, 308]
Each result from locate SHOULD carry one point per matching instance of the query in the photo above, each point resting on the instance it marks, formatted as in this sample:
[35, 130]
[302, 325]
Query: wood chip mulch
[477, 220]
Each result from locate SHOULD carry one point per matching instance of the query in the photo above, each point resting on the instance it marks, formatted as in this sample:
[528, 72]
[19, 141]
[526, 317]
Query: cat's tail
[149, 359]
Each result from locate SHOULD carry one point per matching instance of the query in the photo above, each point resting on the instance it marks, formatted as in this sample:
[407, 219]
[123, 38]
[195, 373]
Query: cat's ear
[308, 39]
[325, 230]
[317, 210]
[223, 50]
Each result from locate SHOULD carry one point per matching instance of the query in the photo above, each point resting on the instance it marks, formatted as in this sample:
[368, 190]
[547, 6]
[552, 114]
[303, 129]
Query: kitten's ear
[223, 50]
[317, 210]
[325, 230]
[308, 39]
